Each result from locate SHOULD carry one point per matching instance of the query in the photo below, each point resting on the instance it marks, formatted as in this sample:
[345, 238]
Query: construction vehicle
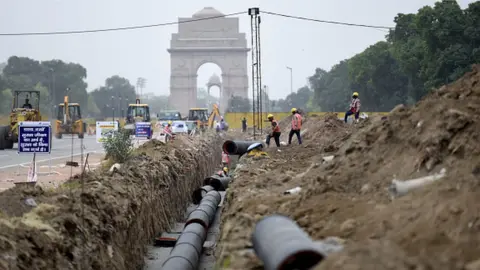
[202, 118]
[20, 113]
[169, 116]
[136, 112]
[69, 120]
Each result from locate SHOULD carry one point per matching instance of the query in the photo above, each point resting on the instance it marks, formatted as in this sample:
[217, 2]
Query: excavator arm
[211, 118]
[66, 114]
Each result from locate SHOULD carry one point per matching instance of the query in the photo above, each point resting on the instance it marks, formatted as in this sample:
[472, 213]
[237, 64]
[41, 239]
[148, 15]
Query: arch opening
[209, 84]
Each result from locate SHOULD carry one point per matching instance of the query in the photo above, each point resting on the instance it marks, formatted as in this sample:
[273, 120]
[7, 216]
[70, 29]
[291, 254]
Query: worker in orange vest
[275, 131]
[354, 108]
[167, 130]
[296, 126]
[225, 159]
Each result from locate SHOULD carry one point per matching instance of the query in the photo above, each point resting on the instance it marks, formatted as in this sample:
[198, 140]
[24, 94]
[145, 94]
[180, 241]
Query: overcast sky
[301, 45]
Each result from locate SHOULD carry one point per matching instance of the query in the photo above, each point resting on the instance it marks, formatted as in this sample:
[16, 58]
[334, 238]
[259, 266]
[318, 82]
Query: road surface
[61, 149]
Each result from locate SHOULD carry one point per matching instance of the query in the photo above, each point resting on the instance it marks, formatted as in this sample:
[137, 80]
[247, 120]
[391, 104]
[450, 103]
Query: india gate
[216, 41]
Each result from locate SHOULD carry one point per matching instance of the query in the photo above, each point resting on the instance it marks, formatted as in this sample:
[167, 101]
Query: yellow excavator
[202, 118]
[20, 113]
[136, 112]
[69, 120]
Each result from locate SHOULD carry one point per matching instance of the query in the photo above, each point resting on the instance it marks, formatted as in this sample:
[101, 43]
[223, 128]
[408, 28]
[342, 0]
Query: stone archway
[216, 41]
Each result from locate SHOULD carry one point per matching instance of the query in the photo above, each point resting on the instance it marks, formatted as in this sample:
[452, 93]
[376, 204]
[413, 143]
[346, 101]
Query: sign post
[34, 138]
[105, 129]
[143, 130]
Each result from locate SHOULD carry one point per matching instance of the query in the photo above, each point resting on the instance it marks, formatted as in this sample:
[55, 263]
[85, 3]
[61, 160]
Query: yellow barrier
[234, 120]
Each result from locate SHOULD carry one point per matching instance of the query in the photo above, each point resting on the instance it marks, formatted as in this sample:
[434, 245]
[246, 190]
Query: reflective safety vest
[296, 121]
[275, 126]
[167, 130]
[355, 105]
[225, 158]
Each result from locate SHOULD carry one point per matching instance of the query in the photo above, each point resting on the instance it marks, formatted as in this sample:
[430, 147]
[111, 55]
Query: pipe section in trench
[219, 183]
[200, 192]
[186, 253]
[282, 245]
[236, 147]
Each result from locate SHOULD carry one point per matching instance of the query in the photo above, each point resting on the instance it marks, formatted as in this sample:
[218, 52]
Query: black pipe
[187, 250]
[199, 193]
[236, 147]
[219, 183]
[205, 212]
[282, 245]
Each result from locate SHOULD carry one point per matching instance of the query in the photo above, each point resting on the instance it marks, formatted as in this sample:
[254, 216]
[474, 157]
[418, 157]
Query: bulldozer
[69, 120]
[20, 113]
[136, 112]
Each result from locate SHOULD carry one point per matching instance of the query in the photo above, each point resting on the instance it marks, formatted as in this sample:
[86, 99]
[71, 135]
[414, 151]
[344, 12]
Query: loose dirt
[435, 227]
[106, 220]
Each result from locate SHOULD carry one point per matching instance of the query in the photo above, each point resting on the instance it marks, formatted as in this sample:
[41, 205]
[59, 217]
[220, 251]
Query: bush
[119, 147]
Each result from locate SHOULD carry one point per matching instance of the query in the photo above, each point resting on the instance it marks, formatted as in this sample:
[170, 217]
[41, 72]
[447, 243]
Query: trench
[114, 216]
[158, 253]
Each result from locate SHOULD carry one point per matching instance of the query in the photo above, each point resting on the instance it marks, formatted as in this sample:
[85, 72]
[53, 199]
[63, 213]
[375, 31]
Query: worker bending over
[354, 108]
[275, 133]
[225, 159]
[223, 172]
[296, 126]
[167, 130]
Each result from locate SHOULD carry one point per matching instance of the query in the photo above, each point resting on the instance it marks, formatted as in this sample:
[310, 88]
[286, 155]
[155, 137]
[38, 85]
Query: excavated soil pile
[435, 227]
[107, 223]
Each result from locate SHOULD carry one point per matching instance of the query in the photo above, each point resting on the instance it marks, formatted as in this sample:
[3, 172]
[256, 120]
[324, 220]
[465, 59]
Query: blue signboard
[143, 129]
[34, 137]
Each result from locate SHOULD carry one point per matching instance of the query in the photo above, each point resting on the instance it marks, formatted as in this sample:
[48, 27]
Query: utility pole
[140, 85]
[256, 70]
[291, 79]
[266, 98]
[52, 92]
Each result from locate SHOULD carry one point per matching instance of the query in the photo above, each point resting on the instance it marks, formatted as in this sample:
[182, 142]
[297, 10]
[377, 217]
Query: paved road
[61, 148]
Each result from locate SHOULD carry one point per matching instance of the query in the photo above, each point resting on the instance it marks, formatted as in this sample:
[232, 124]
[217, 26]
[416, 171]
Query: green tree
[92, 109]
[376, 75]
[44, 102]
[425, 50]
[239, 104]
[6, 98]
[22, 73]
[116, 93]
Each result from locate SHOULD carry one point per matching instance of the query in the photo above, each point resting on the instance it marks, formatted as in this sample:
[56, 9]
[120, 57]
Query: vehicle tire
[8, 144]
[80, 135]
[3, 134]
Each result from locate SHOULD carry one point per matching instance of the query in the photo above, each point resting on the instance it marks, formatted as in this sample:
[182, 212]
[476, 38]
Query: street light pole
[291, 79]
[113, 109]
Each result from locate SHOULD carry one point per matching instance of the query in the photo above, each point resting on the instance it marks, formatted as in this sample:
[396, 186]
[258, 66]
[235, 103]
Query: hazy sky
[301, 45]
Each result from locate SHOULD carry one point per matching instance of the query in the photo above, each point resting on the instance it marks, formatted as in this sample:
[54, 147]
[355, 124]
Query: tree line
[433, 47]
[56, 79]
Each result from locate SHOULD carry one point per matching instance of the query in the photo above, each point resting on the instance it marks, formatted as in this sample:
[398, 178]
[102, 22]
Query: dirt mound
[106, 221]
[432, 228]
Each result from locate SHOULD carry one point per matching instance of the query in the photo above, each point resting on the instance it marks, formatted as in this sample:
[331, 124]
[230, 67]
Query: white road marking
[44, 160]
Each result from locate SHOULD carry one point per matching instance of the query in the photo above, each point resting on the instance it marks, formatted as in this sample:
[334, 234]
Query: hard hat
[355, 94]
[294, 110]
[270, 115]
[169, 122]
[225, 169]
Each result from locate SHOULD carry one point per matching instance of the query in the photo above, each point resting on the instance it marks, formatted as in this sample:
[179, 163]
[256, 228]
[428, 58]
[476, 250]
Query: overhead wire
[72, 32]
[326, 21]
[126, 28]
